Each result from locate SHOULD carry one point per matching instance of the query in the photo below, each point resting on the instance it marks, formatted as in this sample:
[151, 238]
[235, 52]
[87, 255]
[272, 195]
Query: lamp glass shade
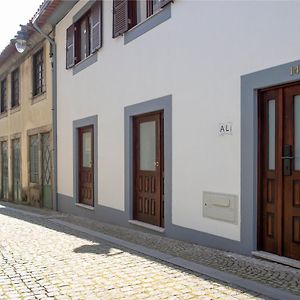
[20, 45]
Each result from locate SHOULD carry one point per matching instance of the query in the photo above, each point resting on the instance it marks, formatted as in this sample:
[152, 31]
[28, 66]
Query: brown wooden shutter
[165, 2]
[96, 26]
[70, 47]
[120, 17]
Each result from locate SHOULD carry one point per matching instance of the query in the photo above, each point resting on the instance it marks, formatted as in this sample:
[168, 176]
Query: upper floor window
[15, 88]
[129, 13]
[38, 73]
[84, 37]
[3, 104]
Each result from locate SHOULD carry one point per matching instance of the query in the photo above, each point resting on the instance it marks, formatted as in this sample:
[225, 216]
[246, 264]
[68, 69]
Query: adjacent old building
[26, 124]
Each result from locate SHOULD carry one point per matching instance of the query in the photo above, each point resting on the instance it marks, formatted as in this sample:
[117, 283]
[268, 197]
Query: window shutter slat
[96, 26]
[70, 47]
[120, 17]
[165, 2]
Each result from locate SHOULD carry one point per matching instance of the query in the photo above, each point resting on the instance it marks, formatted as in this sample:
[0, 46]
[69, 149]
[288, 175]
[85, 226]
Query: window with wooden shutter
[120, 17]
[129, 13]
[96, 26]
[70, 47]
[84, 37]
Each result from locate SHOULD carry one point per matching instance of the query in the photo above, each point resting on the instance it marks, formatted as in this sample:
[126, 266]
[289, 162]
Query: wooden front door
[148, 168]
[279, 171]
[86, 165]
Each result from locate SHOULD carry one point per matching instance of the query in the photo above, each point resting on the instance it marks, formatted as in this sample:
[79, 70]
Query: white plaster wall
[197, 56]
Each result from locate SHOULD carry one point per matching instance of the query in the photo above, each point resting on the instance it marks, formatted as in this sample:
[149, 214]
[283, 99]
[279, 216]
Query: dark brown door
[86, 165]
[148, 168]
[279, 171]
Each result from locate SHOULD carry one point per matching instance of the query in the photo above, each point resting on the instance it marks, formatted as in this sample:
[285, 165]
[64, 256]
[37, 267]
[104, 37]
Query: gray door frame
[250, 84]
[164, 104]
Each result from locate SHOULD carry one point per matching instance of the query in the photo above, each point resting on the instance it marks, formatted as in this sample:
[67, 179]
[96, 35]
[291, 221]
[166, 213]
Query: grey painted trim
[163, 15]
[250, 83]
[60, 12]
[93, 121]
[83, 10]
[165, 104]
[101, 213]
[85, 63]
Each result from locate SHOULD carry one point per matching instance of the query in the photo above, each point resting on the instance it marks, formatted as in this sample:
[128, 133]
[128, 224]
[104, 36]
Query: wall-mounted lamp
[21, 38]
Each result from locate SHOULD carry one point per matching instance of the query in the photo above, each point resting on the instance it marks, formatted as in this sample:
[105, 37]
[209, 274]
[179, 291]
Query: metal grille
[38, 76]
[46, 159]
[34, 158]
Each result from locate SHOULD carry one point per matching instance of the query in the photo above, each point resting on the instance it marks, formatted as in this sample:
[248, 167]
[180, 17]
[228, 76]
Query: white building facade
[170, 116]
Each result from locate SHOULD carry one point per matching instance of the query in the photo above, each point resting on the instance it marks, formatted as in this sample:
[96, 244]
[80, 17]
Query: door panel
[16, 170]
[86, 165]
[291, 245]
[269, 210]
[148, 168]
[4, 171]
[279, 171]
[46, 171]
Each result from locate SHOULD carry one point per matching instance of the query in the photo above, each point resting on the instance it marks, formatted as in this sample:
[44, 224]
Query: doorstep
[147, 226]
[276, 258]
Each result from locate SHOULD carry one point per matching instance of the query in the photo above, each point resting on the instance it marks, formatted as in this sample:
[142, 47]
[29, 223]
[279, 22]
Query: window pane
[271, 125]
[34, 158]
[147, 146]
[297, 131]
[38, 73]
[87, 149]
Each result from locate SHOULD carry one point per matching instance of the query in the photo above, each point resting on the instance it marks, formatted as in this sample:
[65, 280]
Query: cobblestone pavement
[270, 273]
[42, 260]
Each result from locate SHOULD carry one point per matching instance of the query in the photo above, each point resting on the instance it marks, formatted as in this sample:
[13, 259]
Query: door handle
[156, 164]
[287, 157]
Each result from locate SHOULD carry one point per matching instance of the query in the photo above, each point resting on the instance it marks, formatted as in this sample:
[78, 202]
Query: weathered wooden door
[46, 171]
[86, 165]
[148, 168]
[16, 166]
[279, 171]
[4, 171]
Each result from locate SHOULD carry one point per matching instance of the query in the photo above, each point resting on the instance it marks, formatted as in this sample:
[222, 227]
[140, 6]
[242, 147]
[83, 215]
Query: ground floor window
[4, 170]
[16, 169]
[34, 158]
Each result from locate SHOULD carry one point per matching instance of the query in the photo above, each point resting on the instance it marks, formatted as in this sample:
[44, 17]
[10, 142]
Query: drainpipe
[53, 56]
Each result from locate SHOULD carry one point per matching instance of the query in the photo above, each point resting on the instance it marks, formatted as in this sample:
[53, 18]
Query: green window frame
[34, 158]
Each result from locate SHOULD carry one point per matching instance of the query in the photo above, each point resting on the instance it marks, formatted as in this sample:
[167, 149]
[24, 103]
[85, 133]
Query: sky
[12, 14]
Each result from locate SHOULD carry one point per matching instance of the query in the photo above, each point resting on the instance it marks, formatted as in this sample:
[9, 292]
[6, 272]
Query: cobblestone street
[42, 260]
